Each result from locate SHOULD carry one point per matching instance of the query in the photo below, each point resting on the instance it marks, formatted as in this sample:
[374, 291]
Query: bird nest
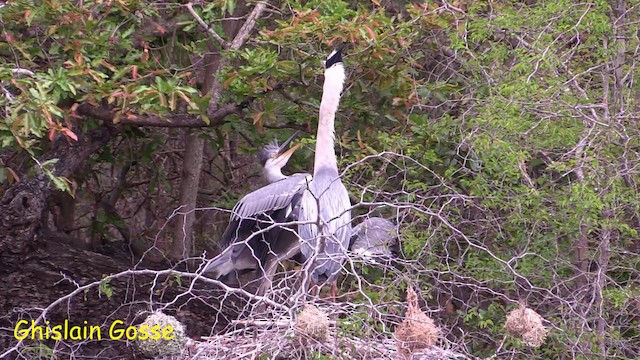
[311, 323]
[311, 334]
[526, 324]
[163, 347]
[417, 331]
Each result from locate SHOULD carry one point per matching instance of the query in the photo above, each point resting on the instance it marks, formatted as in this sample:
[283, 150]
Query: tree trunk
[190, 183]
[22, 206]
[194, 149]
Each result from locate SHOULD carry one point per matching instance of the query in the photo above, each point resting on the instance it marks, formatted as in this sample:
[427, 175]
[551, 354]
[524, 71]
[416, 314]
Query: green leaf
[105, 288]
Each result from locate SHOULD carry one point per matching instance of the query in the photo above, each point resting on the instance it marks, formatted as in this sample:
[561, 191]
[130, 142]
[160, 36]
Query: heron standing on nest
[325, 213]
[253, 240]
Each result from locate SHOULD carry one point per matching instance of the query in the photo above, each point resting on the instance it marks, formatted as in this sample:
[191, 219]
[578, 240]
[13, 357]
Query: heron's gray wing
[261, 203]
[274, 196]
[326, 192]
[374, 236]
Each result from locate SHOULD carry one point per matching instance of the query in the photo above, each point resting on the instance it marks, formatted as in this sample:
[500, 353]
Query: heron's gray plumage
[327, 192]
[275, 196]
[250, 241]
[375, 237]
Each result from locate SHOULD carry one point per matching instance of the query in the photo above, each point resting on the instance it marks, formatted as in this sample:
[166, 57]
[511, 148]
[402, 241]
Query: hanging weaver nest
[312, 323]
[163, 347]
[526, 324]
[417, 330]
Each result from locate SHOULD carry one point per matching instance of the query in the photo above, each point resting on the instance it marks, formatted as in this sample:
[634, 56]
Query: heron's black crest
[334, 58]
[266, 152]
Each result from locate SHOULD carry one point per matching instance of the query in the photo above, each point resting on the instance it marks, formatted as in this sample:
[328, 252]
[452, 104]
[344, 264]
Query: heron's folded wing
[375, 236]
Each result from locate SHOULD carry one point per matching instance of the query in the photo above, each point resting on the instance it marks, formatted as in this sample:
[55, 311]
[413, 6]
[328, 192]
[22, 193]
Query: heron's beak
[287, 154]
[285, 144]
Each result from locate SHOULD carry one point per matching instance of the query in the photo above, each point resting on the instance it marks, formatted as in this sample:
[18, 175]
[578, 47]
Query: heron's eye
[273, 155]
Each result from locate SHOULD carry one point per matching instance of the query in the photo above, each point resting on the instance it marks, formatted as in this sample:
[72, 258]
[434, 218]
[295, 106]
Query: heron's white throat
[333, 84]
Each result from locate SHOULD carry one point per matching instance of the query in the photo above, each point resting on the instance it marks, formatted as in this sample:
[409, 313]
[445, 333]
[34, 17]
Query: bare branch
[214, 35]
[23, 72]
[247, 27]
[7, 93]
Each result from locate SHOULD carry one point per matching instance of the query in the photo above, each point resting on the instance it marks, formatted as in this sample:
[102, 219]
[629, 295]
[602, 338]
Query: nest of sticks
[309, 334]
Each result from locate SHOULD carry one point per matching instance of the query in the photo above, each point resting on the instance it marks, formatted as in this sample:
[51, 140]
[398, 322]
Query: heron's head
[276, 156]
[334, 75]
[334, 59]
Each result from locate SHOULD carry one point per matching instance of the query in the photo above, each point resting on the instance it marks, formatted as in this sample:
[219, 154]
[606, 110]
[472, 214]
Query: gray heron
[375, 237]
[325, 214]
[252, 239]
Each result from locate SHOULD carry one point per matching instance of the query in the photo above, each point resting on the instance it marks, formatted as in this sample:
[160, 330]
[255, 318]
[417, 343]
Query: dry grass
[417, 331]
[312, 323]
[163, 347]
[526, 324]
[311, 334]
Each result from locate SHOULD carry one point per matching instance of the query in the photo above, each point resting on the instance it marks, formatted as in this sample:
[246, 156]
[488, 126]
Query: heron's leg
[314, 288]
[334, 291]
[265, 281]
[266, 278]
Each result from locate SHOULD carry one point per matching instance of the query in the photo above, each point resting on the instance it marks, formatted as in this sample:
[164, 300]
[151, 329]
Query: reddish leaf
[228, 82]
[117, 116]
[372, 34]
[145, 56]
[70, 134]
[161, 29]
[360, 142]
[74, 114]
[130, 116]
[333, 40]
[257, 118]
[77, 56]
[106, 64]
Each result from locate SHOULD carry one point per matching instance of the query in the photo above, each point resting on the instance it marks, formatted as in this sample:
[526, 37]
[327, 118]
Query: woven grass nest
[312, 323]
[417, 330]
[526, 324]
[163, 347]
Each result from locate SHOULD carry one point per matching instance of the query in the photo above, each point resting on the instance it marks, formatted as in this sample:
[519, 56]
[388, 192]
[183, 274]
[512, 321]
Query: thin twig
[6, 93]
[206, 27]
[19, 71]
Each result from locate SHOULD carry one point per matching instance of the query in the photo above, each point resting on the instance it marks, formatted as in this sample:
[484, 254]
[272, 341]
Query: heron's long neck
[273, 174]
[325, 156]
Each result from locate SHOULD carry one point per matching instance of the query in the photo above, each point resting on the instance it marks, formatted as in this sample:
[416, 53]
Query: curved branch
[176, 120]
